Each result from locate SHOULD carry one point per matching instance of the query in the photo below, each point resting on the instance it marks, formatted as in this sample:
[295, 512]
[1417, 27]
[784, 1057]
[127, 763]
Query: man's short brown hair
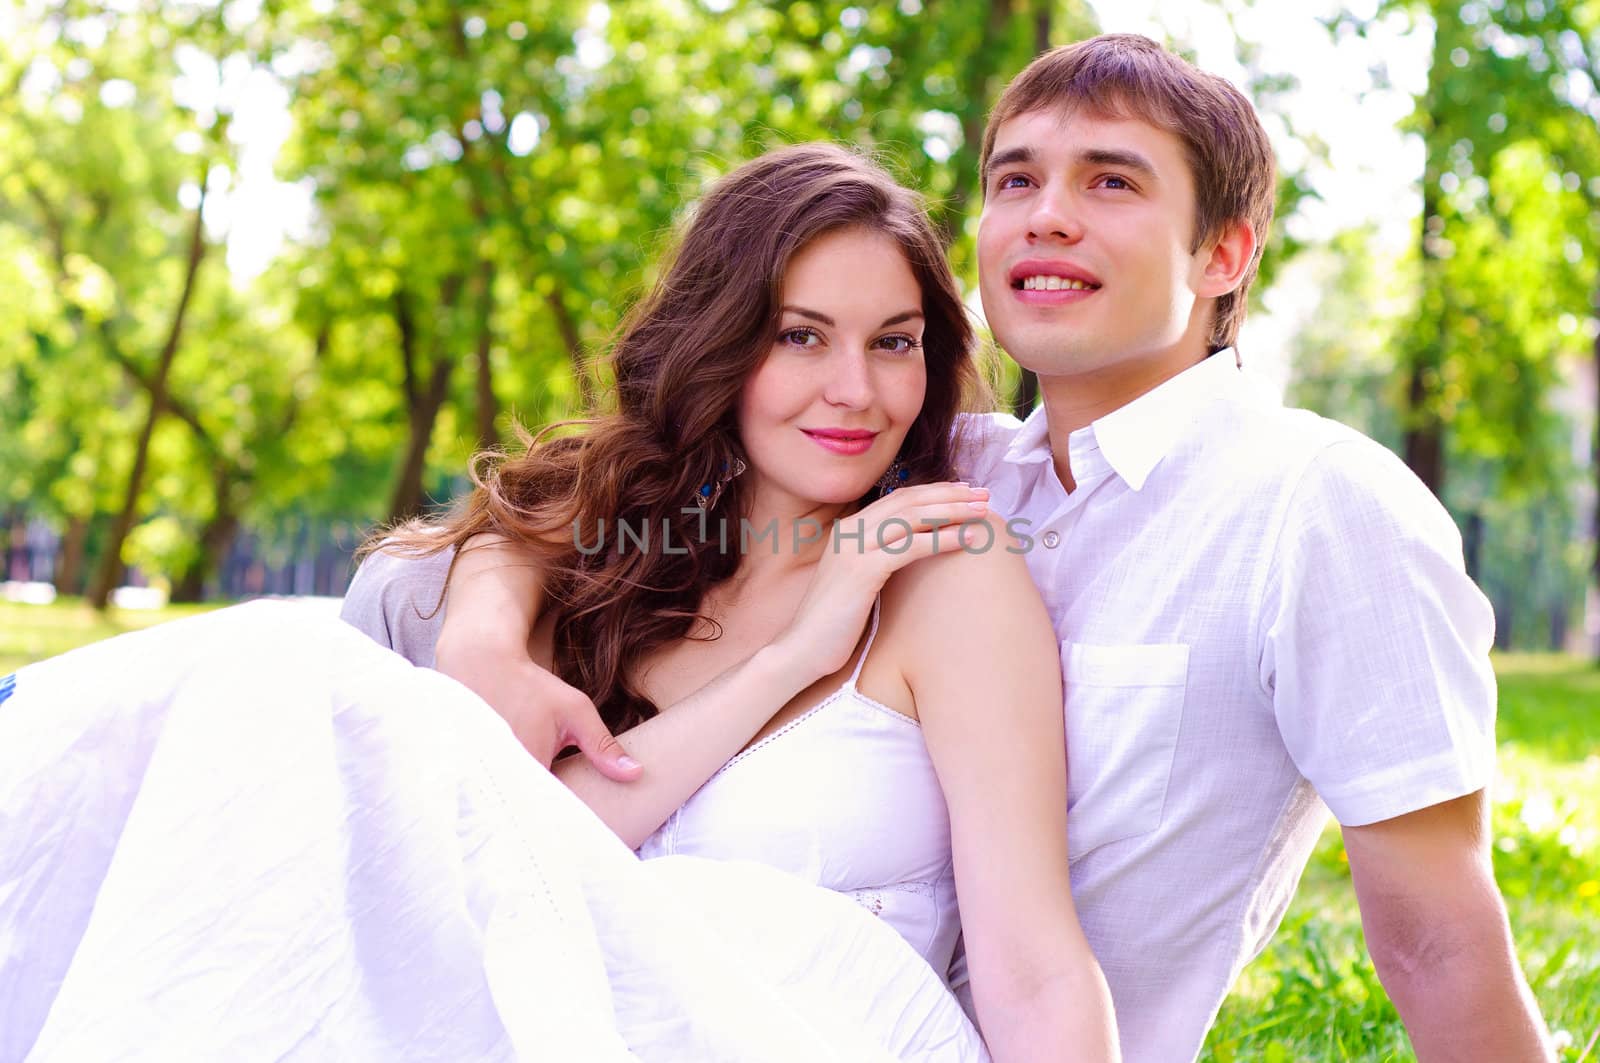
[1124, 75]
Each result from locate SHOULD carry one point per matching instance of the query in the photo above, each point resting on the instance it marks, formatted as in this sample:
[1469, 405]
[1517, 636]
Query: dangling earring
[894, 476]
[707, 496]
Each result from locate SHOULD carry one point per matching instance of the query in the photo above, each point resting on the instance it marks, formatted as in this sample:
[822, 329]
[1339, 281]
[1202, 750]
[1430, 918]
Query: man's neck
[1076, 401]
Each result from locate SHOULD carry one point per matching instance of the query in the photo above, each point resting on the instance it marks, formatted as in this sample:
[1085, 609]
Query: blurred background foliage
[469, 195]
[271, 270]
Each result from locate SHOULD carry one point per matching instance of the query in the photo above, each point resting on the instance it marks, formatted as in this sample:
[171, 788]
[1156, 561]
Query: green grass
[33, 632]
[1313, 995]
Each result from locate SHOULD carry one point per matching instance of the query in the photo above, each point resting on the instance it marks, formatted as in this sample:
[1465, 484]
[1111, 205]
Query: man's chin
[1045, 358]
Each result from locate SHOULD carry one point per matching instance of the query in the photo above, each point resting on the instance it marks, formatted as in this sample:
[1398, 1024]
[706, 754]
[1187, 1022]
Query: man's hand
[491, 605]
[1437, 932]
[546, 714]
[558, 715]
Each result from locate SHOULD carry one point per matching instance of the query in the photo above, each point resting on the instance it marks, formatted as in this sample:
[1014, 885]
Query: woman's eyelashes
[801, 337]
[899, 343]
[808, 338]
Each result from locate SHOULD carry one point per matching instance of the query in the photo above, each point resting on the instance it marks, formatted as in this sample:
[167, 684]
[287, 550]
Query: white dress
[844, 796]
[256, 835]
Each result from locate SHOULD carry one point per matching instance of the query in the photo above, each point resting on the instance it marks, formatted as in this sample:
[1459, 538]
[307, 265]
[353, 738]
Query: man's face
[1083, 247]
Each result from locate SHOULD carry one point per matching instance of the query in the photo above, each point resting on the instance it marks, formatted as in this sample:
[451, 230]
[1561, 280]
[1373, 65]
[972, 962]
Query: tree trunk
[1423, 447]
[216, 539]
[982, 72]
[1472, 544]
[423, 404]
[407, 500]
[69, 559]
[1027, 394]
[1423, 441]
[109, 573]
[1424, 436]
[14, 556]
[1028, 383]
[488, 407]
[1594, 469]
[574, 345]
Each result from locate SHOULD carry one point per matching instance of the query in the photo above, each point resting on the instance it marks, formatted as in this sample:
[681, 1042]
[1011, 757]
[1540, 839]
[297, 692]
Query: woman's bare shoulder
[979, 576]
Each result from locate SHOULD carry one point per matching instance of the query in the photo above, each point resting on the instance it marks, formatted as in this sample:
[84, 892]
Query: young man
[1258, 607]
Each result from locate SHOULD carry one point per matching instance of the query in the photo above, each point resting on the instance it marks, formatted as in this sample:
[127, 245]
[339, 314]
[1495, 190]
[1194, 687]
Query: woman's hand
[884, 537]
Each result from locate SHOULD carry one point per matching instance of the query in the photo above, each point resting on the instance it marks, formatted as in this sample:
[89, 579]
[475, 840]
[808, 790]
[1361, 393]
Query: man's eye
[1015, 180]
[1114, 181]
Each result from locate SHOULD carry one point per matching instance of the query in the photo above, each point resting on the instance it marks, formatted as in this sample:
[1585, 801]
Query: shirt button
[1051, 540]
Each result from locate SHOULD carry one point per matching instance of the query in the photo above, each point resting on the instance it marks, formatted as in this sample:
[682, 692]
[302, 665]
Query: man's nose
[849, 380]
[1055, 216]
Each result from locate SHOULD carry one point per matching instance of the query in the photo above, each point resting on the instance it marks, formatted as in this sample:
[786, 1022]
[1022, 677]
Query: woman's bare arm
[691, 739]
[988, 691]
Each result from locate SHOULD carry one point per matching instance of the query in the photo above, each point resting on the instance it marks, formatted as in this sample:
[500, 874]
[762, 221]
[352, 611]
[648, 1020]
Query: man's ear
[1225, 260]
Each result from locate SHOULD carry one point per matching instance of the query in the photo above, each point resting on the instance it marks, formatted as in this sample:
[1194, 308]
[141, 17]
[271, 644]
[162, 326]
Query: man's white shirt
[1259, 611]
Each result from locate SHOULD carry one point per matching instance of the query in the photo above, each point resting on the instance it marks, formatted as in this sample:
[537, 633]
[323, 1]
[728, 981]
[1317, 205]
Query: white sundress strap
[872, 633]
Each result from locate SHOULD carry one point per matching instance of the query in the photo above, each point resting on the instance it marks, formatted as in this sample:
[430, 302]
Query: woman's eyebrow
[812, 314]
[903, 316]
[818, 316]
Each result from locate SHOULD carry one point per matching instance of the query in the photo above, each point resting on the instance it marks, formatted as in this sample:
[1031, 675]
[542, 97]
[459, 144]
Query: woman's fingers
[897, 502]
[939, 514]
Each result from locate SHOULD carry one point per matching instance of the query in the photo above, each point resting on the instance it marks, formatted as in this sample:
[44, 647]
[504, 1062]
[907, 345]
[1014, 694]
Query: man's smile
[1041, 282]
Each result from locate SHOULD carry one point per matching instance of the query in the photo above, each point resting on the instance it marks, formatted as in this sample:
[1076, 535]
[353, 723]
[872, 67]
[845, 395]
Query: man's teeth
[1054, 284]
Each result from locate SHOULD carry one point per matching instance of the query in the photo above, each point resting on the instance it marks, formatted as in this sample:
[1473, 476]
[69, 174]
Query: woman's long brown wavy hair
[684, 354]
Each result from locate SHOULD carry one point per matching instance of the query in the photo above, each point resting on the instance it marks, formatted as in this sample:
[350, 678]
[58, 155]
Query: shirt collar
[1135, 437]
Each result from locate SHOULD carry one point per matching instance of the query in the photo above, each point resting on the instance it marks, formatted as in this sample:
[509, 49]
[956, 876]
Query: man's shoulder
[981, 441]
[1323, 475]
[1299, 448]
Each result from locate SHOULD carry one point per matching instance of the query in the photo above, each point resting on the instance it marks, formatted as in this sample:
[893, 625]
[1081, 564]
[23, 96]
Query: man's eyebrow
[1008, 157]
[1119, 158]
[814, 315]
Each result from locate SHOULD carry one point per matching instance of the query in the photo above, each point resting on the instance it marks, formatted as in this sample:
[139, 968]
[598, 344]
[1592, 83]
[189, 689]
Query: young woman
[255, 834]
[828, 658]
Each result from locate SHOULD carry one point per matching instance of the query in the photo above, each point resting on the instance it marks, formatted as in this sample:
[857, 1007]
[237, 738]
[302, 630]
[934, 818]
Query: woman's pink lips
[842, 444]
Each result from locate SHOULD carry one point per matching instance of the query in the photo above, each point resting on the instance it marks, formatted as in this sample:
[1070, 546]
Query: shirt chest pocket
[1124, 706]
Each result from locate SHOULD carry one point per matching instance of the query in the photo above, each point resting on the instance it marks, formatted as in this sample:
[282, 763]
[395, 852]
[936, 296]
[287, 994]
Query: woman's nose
[849, 383]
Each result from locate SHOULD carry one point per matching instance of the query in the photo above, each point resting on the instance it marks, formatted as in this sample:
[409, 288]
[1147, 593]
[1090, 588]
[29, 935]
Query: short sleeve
[978, 442]
[1374, 644]
[398, 601]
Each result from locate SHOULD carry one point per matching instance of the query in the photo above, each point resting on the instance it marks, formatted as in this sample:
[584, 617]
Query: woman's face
[825, 412]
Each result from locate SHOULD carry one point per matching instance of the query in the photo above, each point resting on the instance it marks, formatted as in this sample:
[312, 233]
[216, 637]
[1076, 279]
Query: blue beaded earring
[707, 496]
[894, 476]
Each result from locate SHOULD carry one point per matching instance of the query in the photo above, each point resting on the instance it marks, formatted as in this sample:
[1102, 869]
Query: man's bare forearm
[1459, 989]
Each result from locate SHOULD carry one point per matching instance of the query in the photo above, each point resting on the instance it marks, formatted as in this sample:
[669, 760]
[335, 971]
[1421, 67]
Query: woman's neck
[779, 537]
